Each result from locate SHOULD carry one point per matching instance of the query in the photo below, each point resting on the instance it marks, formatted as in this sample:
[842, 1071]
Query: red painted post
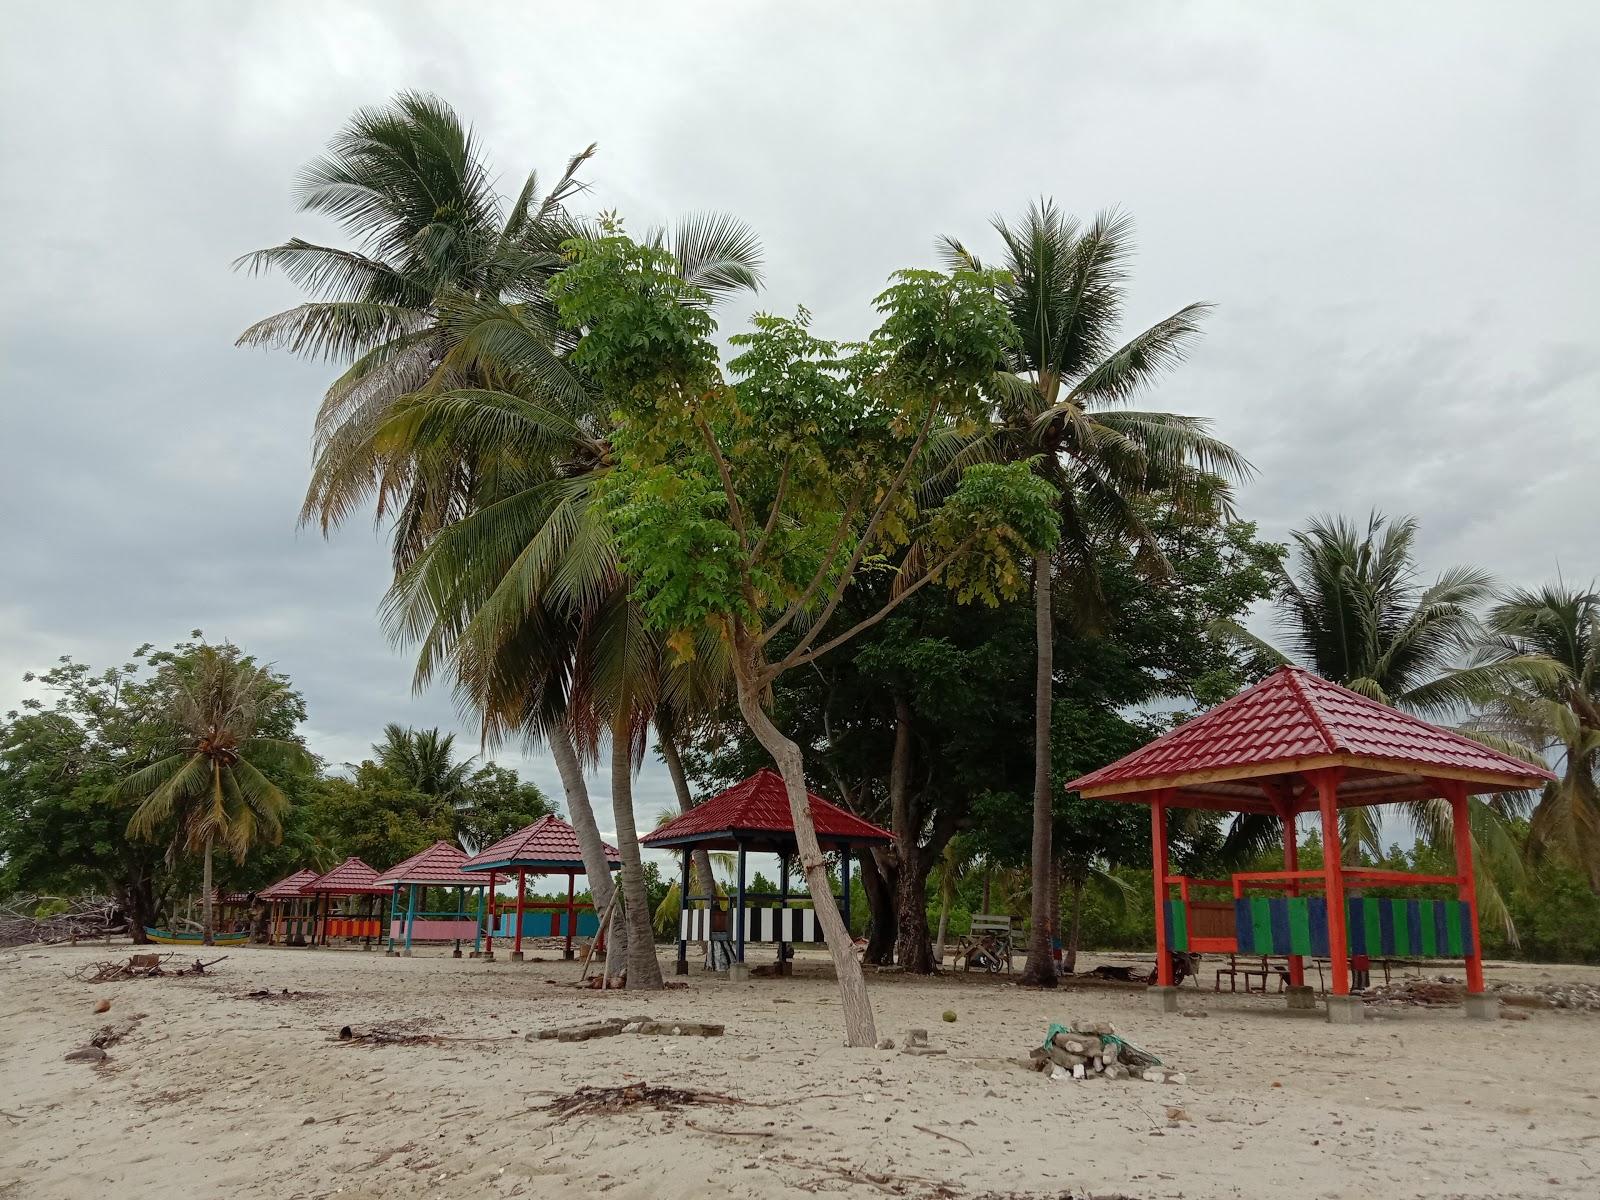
[522, 895]
[1327, 784]
[572, 911]
[1291, 862]
[488, 906]
[1467, 889]
[1158, 856]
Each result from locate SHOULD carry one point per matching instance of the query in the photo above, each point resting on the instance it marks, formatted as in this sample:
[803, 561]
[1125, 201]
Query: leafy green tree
[376, 815]
[1557, 713]
[1068, 377]
[496, 802]
[742, 509]
[212, 784]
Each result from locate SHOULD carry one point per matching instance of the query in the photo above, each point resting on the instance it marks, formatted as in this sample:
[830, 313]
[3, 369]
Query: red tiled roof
[549, 844]
[438, 866]
[287, 888]
[1293, 715]
[760, 805]
[352, 877]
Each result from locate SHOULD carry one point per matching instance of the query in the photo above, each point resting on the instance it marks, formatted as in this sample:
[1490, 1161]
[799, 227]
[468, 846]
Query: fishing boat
[166, 937]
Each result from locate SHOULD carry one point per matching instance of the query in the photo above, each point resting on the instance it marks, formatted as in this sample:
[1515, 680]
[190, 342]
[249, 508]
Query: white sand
[208, 1097]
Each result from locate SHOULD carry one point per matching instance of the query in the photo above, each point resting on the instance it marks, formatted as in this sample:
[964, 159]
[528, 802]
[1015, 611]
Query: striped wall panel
[761, 925]
[1375, 925]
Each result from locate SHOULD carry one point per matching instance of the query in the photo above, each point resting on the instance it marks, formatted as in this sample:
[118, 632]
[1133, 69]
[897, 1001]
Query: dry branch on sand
[139, 966]
[588, 1100]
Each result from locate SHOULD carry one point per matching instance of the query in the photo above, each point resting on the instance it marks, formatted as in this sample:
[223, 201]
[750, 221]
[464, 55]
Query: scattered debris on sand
[95, 1051]
[583, 1031]
[387, 1037]
[1578, 997]
[587, 1100]
[284, 994]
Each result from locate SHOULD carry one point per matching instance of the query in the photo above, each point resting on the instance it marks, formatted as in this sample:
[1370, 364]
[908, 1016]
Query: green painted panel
[1299, 926]
[1261, 922]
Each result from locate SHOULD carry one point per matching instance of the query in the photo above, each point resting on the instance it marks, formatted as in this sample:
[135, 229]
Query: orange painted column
[1327, 784]
[1467, 889]
[1291, 862]
[1158, 857]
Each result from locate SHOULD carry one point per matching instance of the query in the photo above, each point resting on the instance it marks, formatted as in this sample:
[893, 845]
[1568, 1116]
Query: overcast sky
[1392, 206]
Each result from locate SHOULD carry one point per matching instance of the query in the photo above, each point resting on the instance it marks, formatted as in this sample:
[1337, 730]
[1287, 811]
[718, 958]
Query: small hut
[1296, 744]
[439, 866]
[547, 847]
[754, 816]
[350, 885]
[291, 908]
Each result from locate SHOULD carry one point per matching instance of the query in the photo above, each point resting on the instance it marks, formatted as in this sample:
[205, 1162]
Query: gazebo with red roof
[349, 879]
[1296, 743]
[754, 815]
[439, 866]
[287, 893]
[547, 847]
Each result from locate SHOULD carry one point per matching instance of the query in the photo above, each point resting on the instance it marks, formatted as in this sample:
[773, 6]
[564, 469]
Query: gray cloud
[1392, 211]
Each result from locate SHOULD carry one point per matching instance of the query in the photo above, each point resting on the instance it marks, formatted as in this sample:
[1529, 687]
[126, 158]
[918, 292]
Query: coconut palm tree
[1558, 714]
[409, 185]
[425, 759]
[1061, 403]
[1352, 607]
[212, 784]
[443, 310]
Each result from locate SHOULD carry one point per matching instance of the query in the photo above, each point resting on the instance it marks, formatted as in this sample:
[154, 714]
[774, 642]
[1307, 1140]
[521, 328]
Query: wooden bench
[990, 933]
[1265, 971]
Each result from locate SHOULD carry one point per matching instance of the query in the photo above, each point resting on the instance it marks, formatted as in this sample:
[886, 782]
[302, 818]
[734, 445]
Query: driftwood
[85, 919]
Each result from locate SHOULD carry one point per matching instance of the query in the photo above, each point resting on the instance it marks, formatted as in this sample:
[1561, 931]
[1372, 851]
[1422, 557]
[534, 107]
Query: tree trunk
[644, 969]
[1069, 957]
[988, 877]
[879, 877]
[859, 1027]
[1040, 970]
[704, 882]
[944, 928]
[207, 933]
[912, 948]
[581, 813]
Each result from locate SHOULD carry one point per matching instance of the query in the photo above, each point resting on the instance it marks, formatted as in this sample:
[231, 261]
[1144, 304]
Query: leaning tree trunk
[879, 876]
[644, 968]
[590, 846]
[859, 1027]
[704, 882]
[1040, 970]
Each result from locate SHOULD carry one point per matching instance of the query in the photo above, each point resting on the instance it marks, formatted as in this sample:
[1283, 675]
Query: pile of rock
[1089, 1051]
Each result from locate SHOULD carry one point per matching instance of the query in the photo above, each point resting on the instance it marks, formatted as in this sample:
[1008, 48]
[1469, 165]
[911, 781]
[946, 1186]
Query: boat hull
[165, 937]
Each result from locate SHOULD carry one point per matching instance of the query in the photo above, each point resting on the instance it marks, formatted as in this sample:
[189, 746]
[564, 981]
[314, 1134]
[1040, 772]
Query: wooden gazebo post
[522, 896]
[1164, 996]
[1467, 892]
[572, 912]
[1341, 1008]
[681, 967]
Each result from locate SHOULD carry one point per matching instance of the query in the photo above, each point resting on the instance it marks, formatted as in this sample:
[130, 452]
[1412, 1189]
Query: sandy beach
[215, 1094]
